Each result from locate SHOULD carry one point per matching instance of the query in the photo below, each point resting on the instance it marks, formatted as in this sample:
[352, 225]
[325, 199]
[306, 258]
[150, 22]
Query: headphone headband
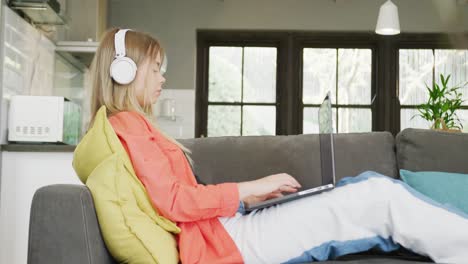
[119, 42]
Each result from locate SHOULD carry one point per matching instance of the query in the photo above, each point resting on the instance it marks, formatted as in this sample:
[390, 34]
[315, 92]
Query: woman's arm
[170, 195]
[173, 196]
[182, 202]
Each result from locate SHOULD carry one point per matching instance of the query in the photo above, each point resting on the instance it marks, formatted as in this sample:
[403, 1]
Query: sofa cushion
[235, 159]
[133, 231]
[443, 187]
[429, 150]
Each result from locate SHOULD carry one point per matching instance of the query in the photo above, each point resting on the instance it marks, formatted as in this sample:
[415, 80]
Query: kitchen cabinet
[87, 20]
[21, 175]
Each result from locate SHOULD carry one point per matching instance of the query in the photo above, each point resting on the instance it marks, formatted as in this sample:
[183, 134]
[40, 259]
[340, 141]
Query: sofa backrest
[235, 159]
[429, 150]
[63, 227]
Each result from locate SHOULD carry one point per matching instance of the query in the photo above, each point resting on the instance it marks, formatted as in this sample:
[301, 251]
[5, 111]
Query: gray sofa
[64, 227]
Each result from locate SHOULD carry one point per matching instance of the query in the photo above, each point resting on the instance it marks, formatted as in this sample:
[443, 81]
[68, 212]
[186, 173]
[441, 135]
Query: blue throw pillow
[443, 187]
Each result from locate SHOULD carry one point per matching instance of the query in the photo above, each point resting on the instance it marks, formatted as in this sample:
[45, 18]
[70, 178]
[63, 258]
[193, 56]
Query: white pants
[363, 212]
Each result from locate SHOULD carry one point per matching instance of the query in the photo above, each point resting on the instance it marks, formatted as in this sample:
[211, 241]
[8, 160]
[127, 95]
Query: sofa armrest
[64, 228]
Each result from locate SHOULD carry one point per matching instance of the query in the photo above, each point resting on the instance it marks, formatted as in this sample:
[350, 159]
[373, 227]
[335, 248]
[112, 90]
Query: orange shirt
[172, 188]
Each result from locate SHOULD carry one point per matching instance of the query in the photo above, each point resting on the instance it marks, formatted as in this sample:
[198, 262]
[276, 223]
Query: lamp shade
[388, 22]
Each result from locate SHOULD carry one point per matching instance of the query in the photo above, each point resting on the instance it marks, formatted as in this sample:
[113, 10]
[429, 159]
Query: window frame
[289, 111]
[208, 38]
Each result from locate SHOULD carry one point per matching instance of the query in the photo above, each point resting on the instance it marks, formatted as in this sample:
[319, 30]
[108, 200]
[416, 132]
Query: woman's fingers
[287, 188]
[292, 181]
[275, 195]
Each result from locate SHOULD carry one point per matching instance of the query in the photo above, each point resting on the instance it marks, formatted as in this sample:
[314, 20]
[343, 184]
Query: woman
[363, 212]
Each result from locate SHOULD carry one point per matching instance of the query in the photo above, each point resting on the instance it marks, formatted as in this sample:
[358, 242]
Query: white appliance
[43, 119]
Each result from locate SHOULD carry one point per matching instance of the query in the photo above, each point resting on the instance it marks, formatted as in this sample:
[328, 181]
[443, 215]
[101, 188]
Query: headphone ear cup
[123, 70]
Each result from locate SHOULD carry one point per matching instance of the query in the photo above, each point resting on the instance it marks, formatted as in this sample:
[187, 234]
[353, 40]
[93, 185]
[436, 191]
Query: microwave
[52, 119]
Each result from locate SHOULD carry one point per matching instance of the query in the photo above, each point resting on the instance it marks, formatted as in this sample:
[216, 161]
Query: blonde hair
[116, 97]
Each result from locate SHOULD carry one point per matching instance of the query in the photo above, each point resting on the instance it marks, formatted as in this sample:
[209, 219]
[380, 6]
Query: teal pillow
[443, 187]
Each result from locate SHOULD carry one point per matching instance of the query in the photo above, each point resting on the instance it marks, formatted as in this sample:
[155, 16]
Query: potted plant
[440, 108]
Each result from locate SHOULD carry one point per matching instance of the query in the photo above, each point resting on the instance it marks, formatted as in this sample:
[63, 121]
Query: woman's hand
[267, 187]
[253, 199]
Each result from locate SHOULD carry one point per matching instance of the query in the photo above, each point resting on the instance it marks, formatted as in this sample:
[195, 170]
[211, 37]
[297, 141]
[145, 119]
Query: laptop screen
[325, 116]
[327, 155]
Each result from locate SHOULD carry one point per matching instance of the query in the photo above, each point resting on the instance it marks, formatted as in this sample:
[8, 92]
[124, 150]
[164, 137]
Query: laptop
[327, 159]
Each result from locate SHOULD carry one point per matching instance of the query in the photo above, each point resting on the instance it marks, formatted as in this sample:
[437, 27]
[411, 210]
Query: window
[242, 91]
[421, 67]
[347, 73]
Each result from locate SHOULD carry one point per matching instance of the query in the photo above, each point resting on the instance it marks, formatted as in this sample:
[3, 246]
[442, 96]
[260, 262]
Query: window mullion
[242, 93]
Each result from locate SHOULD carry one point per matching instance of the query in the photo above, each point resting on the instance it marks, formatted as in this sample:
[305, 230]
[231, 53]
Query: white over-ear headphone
[123, 69]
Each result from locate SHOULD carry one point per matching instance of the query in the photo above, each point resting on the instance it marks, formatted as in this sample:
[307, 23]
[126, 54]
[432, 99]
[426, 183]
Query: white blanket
[362, 212]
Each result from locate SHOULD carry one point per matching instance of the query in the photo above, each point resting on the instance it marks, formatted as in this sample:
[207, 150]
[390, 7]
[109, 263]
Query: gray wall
[175, 22]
